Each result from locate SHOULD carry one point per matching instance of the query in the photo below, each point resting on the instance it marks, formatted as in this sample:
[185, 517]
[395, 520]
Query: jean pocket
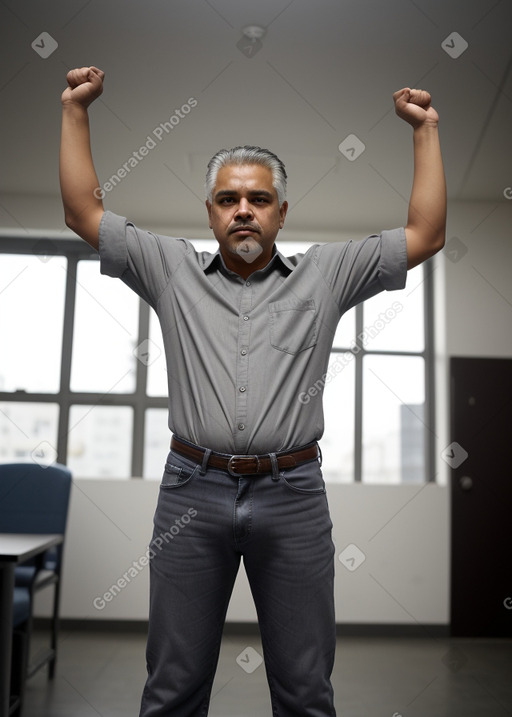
[306, 479]
[175, 475]
[293, 325]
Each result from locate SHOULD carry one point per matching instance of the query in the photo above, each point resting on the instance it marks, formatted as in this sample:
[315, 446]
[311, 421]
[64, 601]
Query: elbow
[422, 245]
[86, 225]
[431, 248]
[71, 222]
[439, 241]
[434, 244]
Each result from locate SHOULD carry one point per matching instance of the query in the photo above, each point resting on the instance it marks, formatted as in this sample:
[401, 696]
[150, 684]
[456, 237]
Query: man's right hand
[85, 84]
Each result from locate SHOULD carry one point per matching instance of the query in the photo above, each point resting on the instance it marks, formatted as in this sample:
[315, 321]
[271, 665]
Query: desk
[15, 548]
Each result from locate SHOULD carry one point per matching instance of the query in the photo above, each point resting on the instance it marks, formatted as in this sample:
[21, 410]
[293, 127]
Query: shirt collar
[216, 259]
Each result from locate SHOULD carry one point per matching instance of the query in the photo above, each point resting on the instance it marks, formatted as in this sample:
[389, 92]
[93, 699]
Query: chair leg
[55, 630]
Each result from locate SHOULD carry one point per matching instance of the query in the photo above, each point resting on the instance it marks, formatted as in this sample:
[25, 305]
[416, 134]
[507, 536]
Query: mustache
[244, 225]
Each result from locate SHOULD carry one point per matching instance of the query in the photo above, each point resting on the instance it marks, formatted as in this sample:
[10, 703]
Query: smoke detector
[254, 32]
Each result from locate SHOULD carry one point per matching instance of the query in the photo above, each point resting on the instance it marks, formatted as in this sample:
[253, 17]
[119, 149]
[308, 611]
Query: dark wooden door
[481, 497]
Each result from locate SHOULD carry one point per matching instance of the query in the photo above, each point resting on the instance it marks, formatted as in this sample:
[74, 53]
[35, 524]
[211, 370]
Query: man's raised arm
[426, 221]
[78, 181]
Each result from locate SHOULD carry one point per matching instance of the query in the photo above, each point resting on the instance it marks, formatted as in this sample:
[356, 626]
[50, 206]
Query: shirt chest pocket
[293, 325]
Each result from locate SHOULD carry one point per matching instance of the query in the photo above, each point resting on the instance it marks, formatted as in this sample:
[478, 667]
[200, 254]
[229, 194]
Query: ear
[282, 214]
[209, 210]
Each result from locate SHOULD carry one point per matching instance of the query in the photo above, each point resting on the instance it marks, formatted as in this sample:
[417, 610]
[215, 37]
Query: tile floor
[102, 673]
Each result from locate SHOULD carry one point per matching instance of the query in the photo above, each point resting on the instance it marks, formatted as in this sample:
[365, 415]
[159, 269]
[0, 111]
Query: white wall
[402, 530]
[479, 285]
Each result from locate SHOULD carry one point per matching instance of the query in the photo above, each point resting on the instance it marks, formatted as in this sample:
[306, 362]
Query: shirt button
[247, 283]
[246, 318]
[243, 352]
[241, 389]
[241, 426]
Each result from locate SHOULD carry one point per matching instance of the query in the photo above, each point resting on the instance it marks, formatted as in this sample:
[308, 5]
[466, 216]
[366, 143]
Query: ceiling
[324, 70]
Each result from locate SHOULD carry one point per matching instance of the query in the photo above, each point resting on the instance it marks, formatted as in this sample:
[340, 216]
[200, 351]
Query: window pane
[105, 333]
[393, 320]
[157, 368]
[338, 440]
[290, 248]
[32, 293]
[157, 438]
[393, 428]
[346, 332]
[100, 441]
[28, 431]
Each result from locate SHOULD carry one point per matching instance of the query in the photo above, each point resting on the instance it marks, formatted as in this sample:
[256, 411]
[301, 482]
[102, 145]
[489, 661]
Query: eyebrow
[252, 192]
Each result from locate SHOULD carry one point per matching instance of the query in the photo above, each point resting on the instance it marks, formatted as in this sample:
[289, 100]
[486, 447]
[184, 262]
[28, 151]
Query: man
[246, 332]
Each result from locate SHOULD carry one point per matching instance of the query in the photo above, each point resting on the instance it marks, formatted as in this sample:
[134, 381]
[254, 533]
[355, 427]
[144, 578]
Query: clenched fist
[414, 107]
[84, 86]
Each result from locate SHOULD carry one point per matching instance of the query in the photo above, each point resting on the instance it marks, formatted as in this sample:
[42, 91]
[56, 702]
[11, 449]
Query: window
[379, 372]
[28, 431]
[83, 378]
[31, 318]
[393, 401]
[100, 441]
[105, 332]
[157, 437]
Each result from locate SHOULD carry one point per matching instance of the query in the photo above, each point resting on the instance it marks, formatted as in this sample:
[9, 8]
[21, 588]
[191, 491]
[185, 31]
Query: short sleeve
[357, 270]
[392, 269]
[143, 260]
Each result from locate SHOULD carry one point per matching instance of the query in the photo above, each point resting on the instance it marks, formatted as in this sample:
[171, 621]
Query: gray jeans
[204, 523]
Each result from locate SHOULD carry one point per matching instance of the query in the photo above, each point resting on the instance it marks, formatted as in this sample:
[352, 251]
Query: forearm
[78, 180]
[427, 206]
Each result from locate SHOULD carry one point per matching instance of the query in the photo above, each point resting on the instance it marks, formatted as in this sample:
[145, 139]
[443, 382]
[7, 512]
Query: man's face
[245, 216]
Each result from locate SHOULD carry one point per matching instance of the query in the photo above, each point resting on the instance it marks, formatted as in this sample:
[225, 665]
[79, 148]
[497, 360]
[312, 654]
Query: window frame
[76, 250]
[428, 354]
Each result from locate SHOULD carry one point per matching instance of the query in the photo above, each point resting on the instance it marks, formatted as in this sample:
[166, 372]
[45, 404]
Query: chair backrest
[34, 498]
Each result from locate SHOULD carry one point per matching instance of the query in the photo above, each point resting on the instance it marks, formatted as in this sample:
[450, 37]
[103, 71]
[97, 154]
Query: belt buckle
[232, 471]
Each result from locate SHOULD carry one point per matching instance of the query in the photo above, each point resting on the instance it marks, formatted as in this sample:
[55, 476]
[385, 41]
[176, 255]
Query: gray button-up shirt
[242, 354]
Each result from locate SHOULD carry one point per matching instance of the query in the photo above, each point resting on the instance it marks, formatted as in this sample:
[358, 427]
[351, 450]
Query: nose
[244, 210]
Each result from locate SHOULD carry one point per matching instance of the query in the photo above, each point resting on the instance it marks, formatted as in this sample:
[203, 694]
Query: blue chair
[21, 606]
[35, 499]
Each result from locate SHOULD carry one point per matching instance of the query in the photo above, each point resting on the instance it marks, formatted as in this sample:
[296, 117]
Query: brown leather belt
[246, 465]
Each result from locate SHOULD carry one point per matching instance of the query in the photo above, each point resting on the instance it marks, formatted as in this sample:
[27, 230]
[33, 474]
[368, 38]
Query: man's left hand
[414, 107]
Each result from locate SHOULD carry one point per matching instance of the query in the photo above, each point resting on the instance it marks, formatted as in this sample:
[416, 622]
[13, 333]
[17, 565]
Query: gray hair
[247, 155]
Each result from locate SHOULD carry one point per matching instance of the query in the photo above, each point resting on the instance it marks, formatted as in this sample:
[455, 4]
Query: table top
[18, 547]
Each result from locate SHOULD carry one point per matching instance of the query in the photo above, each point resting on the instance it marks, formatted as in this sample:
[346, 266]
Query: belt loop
[275, 466]
[206, 457]
[319, 457]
